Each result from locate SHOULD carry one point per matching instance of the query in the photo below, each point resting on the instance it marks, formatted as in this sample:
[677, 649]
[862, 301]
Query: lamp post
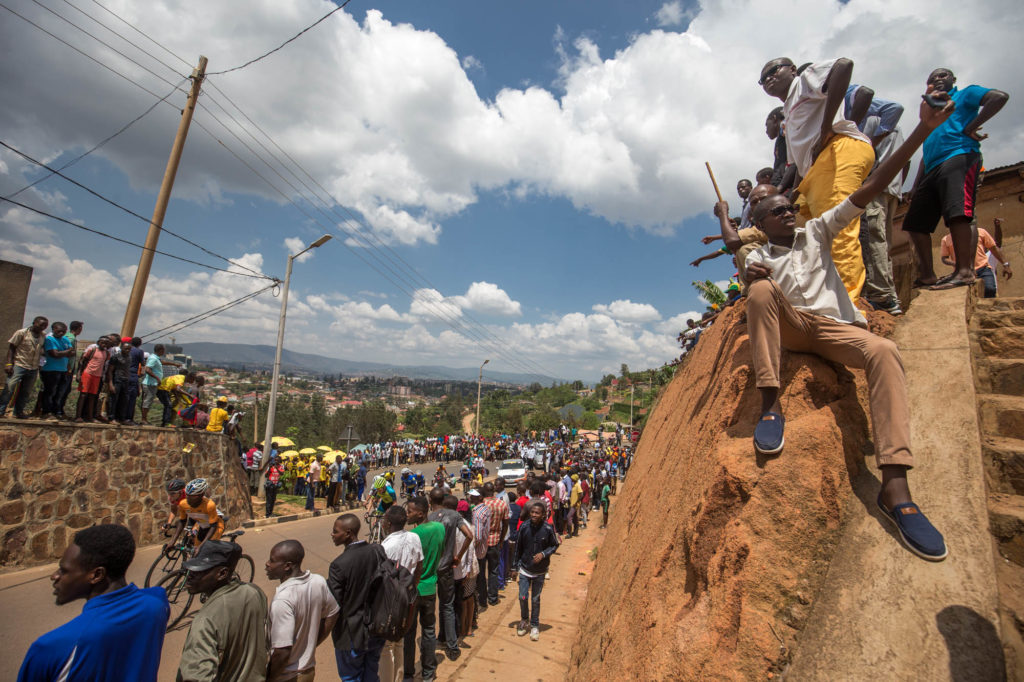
[479, 381]
[631, 407]
[272, 405]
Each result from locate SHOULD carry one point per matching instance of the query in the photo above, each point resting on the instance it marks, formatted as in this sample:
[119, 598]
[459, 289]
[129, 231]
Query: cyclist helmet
[197, 486]
[390, 475]
[175, 485]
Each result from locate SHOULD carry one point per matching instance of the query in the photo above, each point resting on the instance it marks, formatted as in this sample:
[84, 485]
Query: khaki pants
[304, 676]
[875, 224]
[392, 661]
[774, 324]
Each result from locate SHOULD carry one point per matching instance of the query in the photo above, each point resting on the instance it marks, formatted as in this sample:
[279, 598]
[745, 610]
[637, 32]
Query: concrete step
[1011, 614]
[988, 305]
[1000, 342]
[1004, 464]
[1001, 415]
[1006, 520]
[990, 319]
[1006, 376]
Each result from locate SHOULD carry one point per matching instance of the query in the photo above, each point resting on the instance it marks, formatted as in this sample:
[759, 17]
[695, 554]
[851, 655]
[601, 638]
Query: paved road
[26, 597]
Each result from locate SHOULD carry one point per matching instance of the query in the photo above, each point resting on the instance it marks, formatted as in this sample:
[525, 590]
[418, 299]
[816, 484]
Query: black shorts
[947, 191]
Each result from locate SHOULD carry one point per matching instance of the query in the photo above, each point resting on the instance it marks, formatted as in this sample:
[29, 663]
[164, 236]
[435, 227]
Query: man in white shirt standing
[796, 299]
[831, 155]
[405, 548]
[301, 615]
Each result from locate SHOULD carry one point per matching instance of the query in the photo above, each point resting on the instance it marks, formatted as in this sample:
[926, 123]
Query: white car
[512, 471]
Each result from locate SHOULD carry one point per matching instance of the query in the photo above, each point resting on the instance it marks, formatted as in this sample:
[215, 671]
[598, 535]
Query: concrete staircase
[996, 331]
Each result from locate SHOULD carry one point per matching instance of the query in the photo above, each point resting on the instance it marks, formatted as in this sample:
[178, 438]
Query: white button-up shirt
[806, 274]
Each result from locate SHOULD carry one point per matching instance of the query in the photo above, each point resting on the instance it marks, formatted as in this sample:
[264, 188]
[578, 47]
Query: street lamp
[272, 405]
[480, 379]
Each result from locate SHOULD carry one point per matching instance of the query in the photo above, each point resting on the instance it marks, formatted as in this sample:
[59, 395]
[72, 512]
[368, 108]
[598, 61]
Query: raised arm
[876, 183]
[729, 234]
[835, 86]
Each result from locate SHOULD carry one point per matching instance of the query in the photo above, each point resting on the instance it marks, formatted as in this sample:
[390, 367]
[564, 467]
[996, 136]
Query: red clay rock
[12, 512]
[713, 553]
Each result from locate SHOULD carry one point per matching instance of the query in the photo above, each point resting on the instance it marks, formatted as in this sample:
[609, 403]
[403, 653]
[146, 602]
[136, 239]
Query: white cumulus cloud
[628, 311]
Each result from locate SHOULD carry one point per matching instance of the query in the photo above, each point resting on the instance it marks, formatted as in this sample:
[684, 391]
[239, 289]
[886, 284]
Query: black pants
[165, 399]
[271, 491]
[487, 579]
[122, 409]
[427, 619]
[53, 388]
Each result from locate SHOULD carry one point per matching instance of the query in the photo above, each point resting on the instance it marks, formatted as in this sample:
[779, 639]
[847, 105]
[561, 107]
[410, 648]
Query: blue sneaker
[916, 531]
[769, 434]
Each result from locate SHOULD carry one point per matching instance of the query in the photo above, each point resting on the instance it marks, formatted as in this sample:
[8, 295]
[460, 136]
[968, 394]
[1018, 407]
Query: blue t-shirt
[136, 357]
[55, 364]
[117, 637]
[153, 363]
[948, 140]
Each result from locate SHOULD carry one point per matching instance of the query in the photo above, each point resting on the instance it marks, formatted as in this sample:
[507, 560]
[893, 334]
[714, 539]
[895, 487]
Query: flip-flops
[769, 434]
[916, 531]
[951, 284]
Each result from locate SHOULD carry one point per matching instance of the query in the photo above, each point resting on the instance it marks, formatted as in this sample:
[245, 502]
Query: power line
[101, 142]
[82, 52]
[438, 310]
[130, 212]
[106, 44]
[125, 241]
[267, 54]
[188, 322]
[144, 35]
[401, 266]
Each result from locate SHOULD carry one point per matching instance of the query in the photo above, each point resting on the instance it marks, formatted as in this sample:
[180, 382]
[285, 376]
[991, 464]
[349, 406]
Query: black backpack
[390, 601]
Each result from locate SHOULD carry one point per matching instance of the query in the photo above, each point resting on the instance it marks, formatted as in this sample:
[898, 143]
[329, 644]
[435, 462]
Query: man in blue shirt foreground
[120, 632]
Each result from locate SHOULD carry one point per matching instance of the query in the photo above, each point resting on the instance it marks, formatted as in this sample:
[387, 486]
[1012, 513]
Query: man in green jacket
[228, 637]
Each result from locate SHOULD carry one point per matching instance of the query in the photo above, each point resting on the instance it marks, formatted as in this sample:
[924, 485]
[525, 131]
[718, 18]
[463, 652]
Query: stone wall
[58, 478]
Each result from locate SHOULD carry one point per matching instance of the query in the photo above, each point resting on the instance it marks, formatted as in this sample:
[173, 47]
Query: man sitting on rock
[796, 299]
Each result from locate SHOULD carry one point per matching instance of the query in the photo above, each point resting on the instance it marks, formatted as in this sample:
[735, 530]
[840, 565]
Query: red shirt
[274, 473]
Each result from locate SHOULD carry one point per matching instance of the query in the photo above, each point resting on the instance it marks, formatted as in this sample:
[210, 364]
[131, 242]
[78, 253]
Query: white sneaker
[534, 634]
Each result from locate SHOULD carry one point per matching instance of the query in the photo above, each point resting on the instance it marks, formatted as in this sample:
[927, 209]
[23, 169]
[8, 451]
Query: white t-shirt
[314, 471]
[295, 613]
[804, 109]
[468, 567]
[405, 548]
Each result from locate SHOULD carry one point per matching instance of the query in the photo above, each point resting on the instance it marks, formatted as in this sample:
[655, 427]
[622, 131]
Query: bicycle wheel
[178, 596]
[167, 562]
[245, 569]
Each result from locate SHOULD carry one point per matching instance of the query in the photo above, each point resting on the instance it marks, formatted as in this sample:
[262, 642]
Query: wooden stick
[708, 165]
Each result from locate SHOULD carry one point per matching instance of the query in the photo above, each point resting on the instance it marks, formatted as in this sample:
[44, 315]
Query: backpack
[390, 601]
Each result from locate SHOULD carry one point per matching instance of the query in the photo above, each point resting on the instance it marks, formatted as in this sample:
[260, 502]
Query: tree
[374, 422]
[710, 292]
[607, 379]
[577, 385]
[624, 370]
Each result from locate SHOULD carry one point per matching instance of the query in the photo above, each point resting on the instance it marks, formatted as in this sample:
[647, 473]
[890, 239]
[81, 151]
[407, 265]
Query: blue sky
[540, 165]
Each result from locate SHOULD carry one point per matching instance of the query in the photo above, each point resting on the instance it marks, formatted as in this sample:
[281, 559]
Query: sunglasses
[771, 72]
[780, 211]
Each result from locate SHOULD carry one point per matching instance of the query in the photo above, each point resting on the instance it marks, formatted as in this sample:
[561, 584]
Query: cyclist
[382, 493]
[421, 483]
[409, 484]
[175, 494]
[198, 511]
[440, 476]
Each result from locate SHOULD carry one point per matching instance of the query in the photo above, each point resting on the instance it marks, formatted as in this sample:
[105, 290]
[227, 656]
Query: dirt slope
[714, 555]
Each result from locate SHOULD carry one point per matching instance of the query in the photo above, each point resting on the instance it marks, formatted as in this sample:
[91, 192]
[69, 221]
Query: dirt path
[467, 423]
[495, 650]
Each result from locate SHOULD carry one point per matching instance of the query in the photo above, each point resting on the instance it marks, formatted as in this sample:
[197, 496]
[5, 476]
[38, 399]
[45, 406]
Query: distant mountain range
[235, 355]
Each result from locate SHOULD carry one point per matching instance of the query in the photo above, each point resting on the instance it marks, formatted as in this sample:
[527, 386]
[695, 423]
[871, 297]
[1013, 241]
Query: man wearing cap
[228, 637]
[218, 415]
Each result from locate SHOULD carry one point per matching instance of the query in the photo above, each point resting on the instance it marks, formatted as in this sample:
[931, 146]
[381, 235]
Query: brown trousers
[774, 324]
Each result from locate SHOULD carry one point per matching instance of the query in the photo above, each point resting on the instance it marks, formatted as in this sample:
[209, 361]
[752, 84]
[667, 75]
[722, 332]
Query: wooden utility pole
[131, 315]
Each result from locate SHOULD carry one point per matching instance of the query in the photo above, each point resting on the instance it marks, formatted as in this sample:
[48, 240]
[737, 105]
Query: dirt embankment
[714, 555]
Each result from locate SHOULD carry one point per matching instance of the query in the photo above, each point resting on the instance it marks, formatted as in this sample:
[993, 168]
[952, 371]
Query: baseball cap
[126, 339]
[214, 553]
[475, 493]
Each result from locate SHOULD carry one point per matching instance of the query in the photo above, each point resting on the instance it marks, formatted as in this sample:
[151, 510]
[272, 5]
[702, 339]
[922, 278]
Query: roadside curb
[273, 521]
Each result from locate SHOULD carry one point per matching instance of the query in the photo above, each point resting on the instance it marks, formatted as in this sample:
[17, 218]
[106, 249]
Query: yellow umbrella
[289, 453]
[332, 456]
[325, 448]
[283, 442]
[307, 451]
